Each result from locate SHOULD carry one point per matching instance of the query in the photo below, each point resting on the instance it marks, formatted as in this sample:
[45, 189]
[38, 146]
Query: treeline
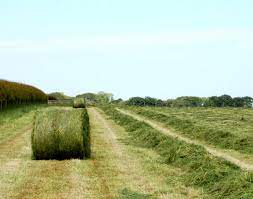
[189, 101]
[58, 96]
[12, 93]
[97, 98]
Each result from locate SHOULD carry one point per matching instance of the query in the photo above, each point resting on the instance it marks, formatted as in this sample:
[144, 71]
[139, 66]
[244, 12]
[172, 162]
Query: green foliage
[58, 96]
[218, 178]
[99, 98]
[187, 101]
[228, 101]
[61, 133]
[147, 101]
[191, 101]
[12, 93]
[117, 101]
[136, 101]
[79, 103]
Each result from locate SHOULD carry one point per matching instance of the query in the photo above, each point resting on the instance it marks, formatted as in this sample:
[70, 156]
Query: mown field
[227, 128]
[129, 157]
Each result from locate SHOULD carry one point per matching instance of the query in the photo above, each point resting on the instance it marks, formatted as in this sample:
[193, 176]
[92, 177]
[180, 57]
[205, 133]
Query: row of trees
[58, 96]
[189, 101]
[97, 98]
[228, 101]
[12, 93]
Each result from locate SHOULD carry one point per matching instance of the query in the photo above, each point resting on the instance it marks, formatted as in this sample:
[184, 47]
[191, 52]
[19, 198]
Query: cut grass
[211, 125]
[139, 171]
[134, 172]
[162, 180]
[217, 177]
[61, 134]
[16, 112]
[14, 121]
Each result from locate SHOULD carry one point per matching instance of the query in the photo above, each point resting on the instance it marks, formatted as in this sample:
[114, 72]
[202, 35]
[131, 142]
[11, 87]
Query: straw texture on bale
[61, 133]
[79, 103]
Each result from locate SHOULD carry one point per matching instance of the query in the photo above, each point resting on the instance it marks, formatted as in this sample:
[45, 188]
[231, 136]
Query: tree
[187, 101]
[247, 101]
[238, 102]
[99, 98]
[225, 101]
[117, 101]
[136, 101]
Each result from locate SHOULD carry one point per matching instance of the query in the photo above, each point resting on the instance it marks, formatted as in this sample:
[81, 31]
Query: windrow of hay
[79, 103]
[61, 134]
[207, 125]
[218, 178]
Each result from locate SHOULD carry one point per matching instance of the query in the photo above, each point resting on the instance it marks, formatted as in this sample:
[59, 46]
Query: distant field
[235, 120]
[228, 128]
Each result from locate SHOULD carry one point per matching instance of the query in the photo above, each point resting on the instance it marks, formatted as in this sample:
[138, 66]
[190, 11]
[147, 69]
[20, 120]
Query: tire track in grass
[213, 151]
[104, 170]
[12, 151]
[11, 129]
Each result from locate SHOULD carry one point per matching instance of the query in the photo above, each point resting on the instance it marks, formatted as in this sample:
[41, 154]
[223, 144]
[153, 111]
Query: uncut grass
[214, 134]
[61, 134]
[217, 177]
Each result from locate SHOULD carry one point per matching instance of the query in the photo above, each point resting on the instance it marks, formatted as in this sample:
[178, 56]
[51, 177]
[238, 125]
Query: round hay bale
[79, 103]
[61, 133]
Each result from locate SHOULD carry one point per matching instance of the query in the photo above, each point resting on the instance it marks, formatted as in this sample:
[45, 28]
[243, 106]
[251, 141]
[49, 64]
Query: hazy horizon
[163, 49]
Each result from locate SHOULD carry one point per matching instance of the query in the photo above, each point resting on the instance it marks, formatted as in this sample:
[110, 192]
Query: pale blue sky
[158, 48]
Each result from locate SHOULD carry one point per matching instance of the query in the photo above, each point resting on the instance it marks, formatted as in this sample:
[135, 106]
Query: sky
[157, 48]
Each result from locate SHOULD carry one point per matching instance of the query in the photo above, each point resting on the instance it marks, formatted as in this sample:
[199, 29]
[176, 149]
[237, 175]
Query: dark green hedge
[12, 93]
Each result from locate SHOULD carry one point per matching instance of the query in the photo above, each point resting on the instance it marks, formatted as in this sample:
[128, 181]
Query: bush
[79, 103]
[61, 134]
[12, 93]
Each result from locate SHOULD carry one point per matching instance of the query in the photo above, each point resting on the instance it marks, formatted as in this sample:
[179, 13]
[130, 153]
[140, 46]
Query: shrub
[79, 103]
[12, 93]
[61, 134]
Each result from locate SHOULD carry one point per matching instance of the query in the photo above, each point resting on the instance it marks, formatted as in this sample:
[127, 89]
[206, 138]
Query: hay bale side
[79, 103]
[61, 134]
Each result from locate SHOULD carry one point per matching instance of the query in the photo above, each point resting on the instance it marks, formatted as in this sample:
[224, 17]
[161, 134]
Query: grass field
[129, 159]
[117, 169]
[227, 128]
